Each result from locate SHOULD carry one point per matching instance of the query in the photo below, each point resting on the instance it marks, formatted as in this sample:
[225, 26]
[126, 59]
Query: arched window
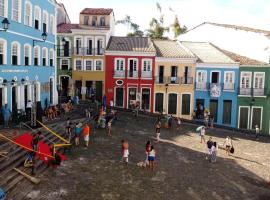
[3, 52]
[27, 55]
[28, 14]
[37, 17]
[44, 56]
[45, 21]
[15, 53]
[16, 10]
[36, 55]
[3, 8]
[51, 57]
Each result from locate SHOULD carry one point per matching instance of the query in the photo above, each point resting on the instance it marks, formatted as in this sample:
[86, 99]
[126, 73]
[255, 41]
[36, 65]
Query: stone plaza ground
[182, 172]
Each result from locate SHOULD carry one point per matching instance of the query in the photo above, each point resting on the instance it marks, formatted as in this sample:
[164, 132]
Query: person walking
[202, 134]
[179, 123]
[257, 131]
[152, 157]
[209, 146]
[34, 145]
[214, 152]
[6, 115]
[78, 131]
[158, 126]
[109, 127]
[228, 145]
[86, 133]
[170, 121]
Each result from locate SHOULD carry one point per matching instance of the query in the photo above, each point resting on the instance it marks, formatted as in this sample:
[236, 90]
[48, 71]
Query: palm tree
[131, 26]
[177, 29]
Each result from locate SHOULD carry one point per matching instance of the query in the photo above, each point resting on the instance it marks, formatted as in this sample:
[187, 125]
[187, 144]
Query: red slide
[25, 140]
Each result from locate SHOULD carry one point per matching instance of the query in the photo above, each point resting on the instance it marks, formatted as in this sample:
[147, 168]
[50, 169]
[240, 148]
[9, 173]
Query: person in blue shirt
[6, 115]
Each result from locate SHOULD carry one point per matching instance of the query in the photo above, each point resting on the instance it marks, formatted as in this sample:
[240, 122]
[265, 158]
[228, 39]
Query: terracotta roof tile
[171, 49]
[132, 44]
[97, 11]
[243, 60]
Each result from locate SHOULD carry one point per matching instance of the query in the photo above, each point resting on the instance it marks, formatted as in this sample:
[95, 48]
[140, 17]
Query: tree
[133, 29]
[177, 29]
[157, 28]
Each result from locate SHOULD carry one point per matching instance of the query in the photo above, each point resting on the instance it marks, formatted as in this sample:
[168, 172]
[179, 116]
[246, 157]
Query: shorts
[151, 158]
[126, 159]
[86, 138]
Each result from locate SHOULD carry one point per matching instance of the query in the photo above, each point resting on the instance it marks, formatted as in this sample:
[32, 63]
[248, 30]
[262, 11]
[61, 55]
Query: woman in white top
[202, 134]
[214, 152]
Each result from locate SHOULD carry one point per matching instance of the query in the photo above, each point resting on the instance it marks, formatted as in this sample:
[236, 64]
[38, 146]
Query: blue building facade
[216, 84]
[216, 93]
[27, 53]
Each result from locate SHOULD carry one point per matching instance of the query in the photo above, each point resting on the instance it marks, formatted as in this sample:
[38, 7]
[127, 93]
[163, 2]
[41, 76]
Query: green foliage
[131, 26]
[178, 30]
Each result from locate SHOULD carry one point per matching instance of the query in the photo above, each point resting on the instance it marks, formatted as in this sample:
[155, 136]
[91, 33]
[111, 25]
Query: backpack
[232, 150]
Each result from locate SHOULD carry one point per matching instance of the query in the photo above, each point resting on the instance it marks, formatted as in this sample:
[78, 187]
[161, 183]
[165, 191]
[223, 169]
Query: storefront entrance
[132, 92]
[146, 99]
[119, 97]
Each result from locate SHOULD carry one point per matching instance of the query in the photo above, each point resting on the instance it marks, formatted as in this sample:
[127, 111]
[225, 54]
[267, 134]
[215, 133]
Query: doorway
[64, 85]
[214, 109]
[199, 108]
[146, 98]
[159, 102]
[119, 97]
[51, 90]
[99, 91]
[161, 74]
[88, 85]
[243, 117]
[172, 104]
[215, 77]
[78, 89]
[132, 92]
[227, 111]
[66, 49]
[256, 117]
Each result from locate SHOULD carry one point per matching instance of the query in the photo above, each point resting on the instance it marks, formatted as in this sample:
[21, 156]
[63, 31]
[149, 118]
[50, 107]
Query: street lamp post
[5, 24]
[44, 38]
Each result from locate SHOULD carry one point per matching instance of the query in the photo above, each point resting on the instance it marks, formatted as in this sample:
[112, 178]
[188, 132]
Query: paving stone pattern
[182, 172]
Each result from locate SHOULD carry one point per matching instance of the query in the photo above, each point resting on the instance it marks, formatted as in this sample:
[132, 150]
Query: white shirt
[29, 104]
[257, 130]
[152, 153]
[202, 131]
[213, 149]
[228, 142]
[126, 153]
[111, 103]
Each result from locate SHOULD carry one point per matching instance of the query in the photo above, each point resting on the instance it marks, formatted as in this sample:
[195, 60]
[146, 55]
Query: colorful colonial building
[86, 43]
[217, 78]
[130, 72]
[253, 94]
[174, 79]
[27, 55]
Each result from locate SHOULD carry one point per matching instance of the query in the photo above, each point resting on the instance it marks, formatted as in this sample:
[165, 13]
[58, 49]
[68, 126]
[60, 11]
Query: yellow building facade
[174, 79]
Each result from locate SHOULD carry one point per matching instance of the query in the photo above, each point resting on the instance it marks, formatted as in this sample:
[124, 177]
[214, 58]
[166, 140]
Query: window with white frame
[27, 55]
[44, 56]
[147, 65]
[3, 50]
[52, 28]
[37, 17]
[15, 54]
[119, 64]
[16, 10]
[245, 79]
[45, 20]
[258, 80]
[78, 64]
[65, 64]
[98, 65]
[201, 80]
[51, 57]
[28, 14]
[88, 65]
[3, 8]
[36, 55]
[228, 80]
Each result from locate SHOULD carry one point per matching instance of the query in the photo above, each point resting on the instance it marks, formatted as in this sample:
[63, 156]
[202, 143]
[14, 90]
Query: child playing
[151, 158]
[125, 151]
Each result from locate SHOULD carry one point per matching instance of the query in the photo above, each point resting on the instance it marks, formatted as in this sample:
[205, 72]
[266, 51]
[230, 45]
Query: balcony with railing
[146, 74]
[201, 86]
[85, 51]
[253, 91]
[119, 74]
[186, 80]
[173, 80]
[228, 86]
[160, 79]
[132, 74]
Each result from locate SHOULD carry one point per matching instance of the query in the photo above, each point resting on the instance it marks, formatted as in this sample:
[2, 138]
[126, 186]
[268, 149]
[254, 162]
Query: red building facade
[130, 72]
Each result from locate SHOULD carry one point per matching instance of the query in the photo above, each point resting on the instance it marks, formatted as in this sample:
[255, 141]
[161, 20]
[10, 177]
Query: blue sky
[253, 13]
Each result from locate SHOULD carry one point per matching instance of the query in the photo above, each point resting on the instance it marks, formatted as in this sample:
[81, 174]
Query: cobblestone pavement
[182, 172]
